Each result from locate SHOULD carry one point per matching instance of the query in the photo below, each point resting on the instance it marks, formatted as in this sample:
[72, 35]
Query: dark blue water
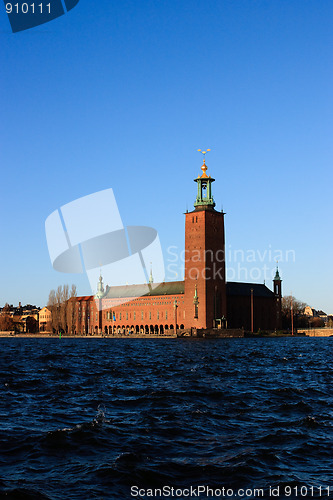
[89, 418]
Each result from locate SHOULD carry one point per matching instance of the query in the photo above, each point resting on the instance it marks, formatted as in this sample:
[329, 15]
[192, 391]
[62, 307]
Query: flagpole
[292, 314]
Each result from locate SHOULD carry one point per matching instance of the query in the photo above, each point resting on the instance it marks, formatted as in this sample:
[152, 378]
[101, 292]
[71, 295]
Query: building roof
[178, 287]
[165, 288]
[244, 289]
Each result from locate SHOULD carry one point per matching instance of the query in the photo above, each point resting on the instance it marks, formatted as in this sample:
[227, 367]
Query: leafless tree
[6, 320]
[289, 302]
[71, 310]
[316, 323]
[62, 306]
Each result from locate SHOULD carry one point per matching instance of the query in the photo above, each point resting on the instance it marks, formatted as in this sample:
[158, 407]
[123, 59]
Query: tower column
[277, 284]
[205, 259]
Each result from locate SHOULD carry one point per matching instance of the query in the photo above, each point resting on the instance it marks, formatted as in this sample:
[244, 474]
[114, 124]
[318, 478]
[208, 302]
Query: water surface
[89, 418]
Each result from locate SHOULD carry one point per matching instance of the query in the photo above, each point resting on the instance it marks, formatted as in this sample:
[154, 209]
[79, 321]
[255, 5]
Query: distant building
[308, 311]
[203, 300]
[45, 320]
[25, 318]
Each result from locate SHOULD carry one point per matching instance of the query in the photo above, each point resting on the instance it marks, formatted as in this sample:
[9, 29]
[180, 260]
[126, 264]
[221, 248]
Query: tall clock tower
[205, 288]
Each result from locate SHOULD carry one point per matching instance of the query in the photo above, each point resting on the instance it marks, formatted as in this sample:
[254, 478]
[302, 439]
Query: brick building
[203, 300]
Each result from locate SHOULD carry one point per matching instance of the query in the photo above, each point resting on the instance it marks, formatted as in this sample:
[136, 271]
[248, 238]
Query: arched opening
[106, 330]
[151, 329]
[171, 327]
[156, 329]
[137, 329]
[110, 330]
[161, 330]
[146, 329]
[166, 327]
[182, 327]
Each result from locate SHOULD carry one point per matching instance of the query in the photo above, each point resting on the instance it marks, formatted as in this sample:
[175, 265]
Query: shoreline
[50, 336]
[320, 333]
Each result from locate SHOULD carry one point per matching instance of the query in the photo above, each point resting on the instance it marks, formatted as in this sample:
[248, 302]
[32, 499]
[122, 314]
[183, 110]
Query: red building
[202, 301]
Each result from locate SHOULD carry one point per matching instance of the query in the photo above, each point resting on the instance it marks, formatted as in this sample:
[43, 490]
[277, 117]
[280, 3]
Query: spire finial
[204, 166]
[151, 279]
[277, 274]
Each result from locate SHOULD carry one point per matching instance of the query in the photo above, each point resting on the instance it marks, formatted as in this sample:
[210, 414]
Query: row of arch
[141, 329]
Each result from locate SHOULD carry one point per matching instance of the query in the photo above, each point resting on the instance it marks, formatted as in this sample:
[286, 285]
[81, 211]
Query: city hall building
[202, 301]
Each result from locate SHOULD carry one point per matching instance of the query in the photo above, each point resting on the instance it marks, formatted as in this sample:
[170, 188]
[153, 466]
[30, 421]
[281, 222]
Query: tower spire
[151, 279]
[277, 274]
[204, 197]
[100, 287]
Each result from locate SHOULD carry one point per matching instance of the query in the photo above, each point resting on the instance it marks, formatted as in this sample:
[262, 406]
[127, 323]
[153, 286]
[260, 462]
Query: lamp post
[176, 305]
[252, 310]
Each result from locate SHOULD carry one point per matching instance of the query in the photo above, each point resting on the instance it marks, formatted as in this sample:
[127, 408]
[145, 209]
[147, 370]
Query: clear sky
[121, 94]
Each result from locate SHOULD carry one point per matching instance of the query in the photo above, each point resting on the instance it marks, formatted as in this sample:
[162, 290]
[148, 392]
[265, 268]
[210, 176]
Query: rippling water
[89, 418]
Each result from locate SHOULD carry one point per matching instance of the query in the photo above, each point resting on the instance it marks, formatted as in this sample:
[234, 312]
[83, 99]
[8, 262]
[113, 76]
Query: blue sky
[122, 94]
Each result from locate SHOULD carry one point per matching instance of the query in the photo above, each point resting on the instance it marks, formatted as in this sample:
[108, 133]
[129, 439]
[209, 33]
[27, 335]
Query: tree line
[290, 303]
[63, 309]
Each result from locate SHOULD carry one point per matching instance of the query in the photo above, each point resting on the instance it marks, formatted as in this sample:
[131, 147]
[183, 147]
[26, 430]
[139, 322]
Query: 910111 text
[28, 8]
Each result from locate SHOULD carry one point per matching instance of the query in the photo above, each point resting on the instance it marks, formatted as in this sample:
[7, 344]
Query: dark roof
[165, 288]
[244, 289]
